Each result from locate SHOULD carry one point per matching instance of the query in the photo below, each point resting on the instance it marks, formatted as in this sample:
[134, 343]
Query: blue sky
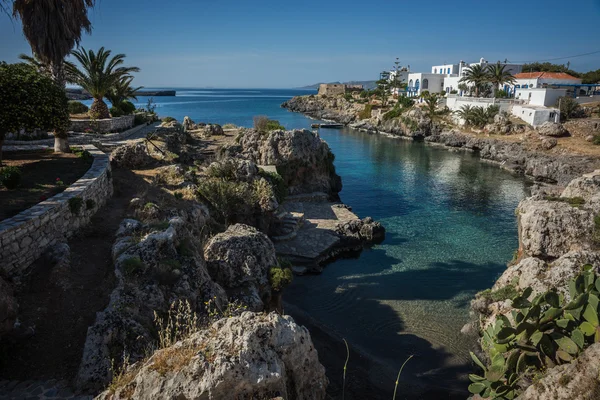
[265, 43]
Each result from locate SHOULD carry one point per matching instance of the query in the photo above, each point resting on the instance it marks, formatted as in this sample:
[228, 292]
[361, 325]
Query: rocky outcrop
[365, 231]
[154, 269]
[549, 168]
[552, 129]
[253, 356]
[579, 380]
[326, 108]
[8, 308]
[302, 158]
[132, 156]
[239, 260]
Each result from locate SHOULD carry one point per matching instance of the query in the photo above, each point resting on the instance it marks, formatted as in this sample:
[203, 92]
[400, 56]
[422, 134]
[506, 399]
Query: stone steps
[287, 225]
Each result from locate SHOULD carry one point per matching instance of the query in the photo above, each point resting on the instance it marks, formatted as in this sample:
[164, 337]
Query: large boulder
[364, 230]
[302, 158]
[239, 260]
[549, 229]
[579, 380]
[8, 308]
[253, 356]
[132, 156]
[552, 129]
[587, 187]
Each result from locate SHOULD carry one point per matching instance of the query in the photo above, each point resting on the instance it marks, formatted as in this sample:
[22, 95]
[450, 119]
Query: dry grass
[172, 359]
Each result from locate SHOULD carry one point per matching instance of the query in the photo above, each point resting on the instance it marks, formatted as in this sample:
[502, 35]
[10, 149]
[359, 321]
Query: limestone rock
[549, 143]
[553, 129]
[586, 187]
[240, 259]
[364, 231]
[59, 256]
[188, 124]
[132, 156]
[302, 158]
[553, 228]
[251, 356]
[213, 130]
[234, 168]
[578, 380]
[8, 308]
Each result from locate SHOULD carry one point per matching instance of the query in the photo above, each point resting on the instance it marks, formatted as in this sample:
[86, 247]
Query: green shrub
[168, 119]
[116, 112]
[543, 332]
[127, 107]
[77, 107]
[75, 204]
[263, 124]
[90, 204]
[504, 293]
[140, 119]
[132, 265]
[230, 199]
[573, 201]
[569, 108]
[84, 154]
[280, 277]
[279, 186]
[366, 112]
[10, 177]
[224, 170]
[274, 125]
[596, 140]
[229, 126]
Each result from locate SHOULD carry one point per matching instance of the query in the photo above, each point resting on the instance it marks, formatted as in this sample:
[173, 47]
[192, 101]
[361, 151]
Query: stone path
[38, 390]
[32, 147]
[316, 238]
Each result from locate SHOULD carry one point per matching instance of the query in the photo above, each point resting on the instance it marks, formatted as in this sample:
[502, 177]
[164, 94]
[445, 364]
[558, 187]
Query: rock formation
[304, 160]
[8, 308]
[253, 356]
[552, 129]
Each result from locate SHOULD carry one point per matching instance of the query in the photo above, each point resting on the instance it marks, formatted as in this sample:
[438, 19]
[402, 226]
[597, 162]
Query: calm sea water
[450, 225]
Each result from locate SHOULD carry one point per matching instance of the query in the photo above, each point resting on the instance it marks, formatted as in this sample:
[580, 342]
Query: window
[435, 70]
[410, 83]
[551, 115]
[417, 84]
[425, 83]
[448, 70]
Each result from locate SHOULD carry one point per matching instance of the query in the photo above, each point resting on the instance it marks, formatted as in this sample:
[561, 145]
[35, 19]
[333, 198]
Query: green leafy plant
[116, 112]
[262, 123]
[573, 201]
[280, 277]
[279, 186]
[543, 331]
[10, 177]
[75, 204]
[168, 119]
[366, 112]
[77, 107]
[132, 265]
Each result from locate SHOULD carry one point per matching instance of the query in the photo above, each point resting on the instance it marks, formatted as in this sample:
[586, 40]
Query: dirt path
[60, 318]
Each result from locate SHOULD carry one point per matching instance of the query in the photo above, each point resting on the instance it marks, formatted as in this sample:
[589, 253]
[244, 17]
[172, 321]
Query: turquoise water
[450, 224]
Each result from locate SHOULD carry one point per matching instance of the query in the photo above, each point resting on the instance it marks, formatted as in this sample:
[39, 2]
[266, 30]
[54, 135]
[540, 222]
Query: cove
[450, 231]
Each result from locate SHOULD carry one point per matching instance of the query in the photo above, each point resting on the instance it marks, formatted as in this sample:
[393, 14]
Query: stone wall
[102, 125]
[24, 237]
[331, 89]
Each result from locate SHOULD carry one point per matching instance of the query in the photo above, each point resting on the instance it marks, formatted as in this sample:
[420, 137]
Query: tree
[498, 76]
[476, 75]
[383, 85]
[53, 28]
[122, 91]
[30, 100]
[432, 100]
[98, 75]
[569, 108]
[549, 67]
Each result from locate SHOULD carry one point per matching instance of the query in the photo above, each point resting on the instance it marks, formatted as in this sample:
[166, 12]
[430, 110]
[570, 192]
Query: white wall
[540, 97]
[451, 83]
[535, 116]
[434, 85]
[587, 99]
[443, 69]
[455, 102]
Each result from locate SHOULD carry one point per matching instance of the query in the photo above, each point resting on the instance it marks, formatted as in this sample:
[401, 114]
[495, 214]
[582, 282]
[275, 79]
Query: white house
[420, 81]
[535, 115]
[544, 79]
[544, 97]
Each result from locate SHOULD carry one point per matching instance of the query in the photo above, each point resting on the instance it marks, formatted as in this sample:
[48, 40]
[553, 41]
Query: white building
[418, 82]
[535, 115]
[402, 77]
[544, 97]
[544, 79]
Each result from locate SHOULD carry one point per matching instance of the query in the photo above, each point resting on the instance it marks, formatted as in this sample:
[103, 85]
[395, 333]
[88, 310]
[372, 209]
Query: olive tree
[30, 100]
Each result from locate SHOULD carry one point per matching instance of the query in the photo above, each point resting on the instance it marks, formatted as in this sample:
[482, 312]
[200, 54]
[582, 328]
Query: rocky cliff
[327, 108]
[252, 356]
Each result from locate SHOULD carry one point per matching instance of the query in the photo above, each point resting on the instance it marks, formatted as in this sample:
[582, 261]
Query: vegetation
[504, 293]
[98, 75]
[10, 177]
[262, 123]
[498, 76]
[132, 265]
[573, 201]
[280, 277]
[586, 77]
[569, 108]
[476, 75]
[77, 107]
[30, 100]
[482, 78]
[432, 100]
[168, 119]
[279, 186]
[543, 332]
[75, 204]
[477, 116]
[119, 94]
[366, 112]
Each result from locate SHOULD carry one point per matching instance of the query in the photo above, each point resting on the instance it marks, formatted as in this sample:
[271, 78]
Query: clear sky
[279, 43]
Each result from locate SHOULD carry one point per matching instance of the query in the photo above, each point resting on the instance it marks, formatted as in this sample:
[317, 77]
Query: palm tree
[465, 113]
[122, 91]
[431, 102]
[98, 74]
[53, 28]
[477, 75]
[498, 76]
[35, 62]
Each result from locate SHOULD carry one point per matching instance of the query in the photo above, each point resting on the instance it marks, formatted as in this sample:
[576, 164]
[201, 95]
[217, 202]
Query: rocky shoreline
[559, 227]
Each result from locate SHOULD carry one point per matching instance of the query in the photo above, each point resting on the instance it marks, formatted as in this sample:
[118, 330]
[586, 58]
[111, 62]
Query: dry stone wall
[102, 125]
[24, 237]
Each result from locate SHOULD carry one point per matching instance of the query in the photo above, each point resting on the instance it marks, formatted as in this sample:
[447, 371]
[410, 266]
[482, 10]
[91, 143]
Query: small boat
[328, 126]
